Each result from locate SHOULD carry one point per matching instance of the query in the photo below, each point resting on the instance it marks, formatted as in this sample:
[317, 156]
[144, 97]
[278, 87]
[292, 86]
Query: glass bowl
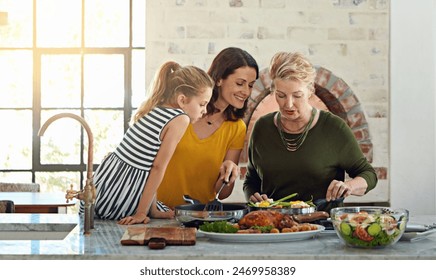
[369, 227]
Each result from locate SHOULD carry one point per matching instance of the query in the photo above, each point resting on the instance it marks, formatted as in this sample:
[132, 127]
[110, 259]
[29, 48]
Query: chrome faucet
[88, 193]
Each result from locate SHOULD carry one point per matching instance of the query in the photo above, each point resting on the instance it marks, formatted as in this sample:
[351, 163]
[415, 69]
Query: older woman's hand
[337, 189]
[229, 171]
[257, 197]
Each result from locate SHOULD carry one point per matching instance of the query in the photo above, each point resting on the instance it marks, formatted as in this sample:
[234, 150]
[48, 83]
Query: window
[85, 57]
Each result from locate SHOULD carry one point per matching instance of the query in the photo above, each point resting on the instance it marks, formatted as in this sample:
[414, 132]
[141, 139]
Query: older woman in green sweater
[300, 149]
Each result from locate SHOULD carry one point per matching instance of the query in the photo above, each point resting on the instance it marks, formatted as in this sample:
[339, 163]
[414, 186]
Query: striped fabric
[121, 177]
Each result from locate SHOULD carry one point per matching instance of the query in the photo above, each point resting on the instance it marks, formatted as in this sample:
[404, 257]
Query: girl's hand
[138, 218]
[156, 214]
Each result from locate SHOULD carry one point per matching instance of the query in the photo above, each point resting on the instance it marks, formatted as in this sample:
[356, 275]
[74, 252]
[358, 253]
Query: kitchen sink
[37, 226]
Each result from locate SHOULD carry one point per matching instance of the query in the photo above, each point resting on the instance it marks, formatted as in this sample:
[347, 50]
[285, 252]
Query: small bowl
[369, 227]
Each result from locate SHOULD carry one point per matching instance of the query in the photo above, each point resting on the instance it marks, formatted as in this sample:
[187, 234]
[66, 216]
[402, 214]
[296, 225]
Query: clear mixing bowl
[369, 227]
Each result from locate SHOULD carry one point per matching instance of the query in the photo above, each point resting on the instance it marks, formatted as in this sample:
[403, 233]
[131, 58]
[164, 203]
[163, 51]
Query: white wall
[412, 66]
[413, 85]
[434, 73]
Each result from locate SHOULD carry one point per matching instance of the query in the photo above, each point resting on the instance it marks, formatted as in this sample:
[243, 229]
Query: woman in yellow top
[208, 153]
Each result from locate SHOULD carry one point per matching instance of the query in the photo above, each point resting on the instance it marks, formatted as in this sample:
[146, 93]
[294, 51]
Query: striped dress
[121, 177]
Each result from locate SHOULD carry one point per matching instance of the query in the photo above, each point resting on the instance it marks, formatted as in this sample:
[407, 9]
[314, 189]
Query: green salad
[369, 230]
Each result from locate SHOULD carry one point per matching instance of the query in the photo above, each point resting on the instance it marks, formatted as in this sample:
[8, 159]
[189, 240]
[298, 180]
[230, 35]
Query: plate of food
[260, 226]
[263, 237]
[284, 206]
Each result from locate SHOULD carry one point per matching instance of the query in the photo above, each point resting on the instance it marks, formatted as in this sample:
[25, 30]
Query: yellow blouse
[194, 167]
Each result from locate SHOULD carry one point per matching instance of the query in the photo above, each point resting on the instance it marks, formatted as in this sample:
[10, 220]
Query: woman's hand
[138, 218]
[356, 186]
[257, 197]
[337, 189]
[229, 171]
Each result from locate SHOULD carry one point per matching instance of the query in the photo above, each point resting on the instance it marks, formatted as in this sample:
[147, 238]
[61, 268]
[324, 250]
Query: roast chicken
[265, 218]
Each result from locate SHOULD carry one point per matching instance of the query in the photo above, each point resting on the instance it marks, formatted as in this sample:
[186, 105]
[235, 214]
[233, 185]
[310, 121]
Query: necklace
[293, 144]
[211, 122]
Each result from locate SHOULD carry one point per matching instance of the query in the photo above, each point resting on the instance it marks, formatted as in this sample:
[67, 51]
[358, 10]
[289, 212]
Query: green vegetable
[289, 204]
[381, 239]
[218, 226]
[284, 198]
[263, 229]
[375, 235]
[284, 204]
[345, 228]
[403, 222]
[251, 204]
[374, 229]
[276, 202]
[310, 202]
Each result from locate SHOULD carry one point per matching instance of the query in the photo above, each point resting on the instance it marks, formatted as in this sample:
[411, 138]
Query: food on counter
[363, 229]
[261, 221]
[281, 203]
[219, 226]
[291, 204]
[264, 218]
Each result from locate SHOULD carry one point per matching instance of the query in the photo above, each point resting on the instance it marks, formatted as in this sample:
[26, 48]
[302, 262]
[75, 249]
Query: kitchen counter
[38, 202]
[104, 244]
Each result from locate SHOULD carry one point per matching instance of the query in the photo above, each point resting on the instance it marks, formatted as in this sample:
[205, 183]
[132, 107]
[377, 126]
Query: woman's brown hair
[225, 64]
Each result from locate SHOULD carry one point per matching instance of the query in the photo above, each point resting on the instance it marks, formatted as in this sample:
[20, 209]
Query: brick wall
[350, 38]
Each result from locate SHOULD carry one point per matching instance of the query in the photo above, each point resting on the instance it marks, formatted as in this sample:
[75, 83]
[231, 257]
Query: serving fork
[410, 227]
[215, 205]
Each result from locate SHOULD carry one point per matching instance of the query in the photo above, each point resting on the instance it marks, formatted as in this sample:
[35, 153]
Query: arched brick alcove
[331, 94]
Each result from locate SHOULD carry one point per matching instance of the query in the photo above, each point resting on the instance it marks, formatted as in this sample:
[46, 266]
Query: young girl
[127, 180]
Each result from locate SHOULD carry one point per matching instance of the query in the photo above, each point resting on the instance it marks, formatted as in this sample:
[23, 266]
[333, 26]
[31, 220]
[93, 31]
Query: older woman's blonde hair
[292, 66]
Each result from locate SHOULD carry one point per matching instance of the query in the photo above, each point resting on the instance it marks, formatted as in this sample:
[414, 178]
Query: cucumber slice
[403, 223]
[374, 229]
[345, 228]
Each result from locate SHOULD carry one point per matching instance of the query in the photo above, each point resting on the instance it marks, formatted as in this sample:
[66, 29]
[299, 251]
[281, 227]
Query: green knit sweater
[329, 152]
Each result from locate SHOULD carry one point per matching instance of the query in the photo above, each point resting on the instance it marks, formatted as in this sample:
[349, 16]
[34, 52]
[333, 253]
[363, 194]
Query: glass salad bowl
[369, 227]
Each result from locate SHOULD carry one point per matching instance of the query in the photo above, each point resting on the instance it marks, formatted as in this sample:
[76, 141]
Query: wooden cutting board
[158, 237]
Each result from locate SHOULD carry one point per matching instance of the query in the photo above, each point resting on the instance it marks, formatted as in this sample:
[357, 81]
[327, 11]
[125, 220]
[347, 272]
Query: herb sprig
[218, 226]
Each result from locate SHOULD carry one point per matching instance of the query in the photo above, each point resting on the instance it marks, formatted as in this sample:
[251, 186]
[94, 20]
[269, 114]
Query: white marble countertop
[104, 243]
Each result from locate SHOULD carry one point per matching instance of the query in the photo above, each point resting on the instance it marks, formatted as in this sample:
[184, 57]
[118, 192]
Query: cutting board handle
[157, 243]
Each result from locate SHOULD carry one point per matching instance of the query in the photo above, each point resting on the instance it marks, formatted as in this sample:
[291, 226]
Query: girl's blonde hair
[170, 80]
[292, 66]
